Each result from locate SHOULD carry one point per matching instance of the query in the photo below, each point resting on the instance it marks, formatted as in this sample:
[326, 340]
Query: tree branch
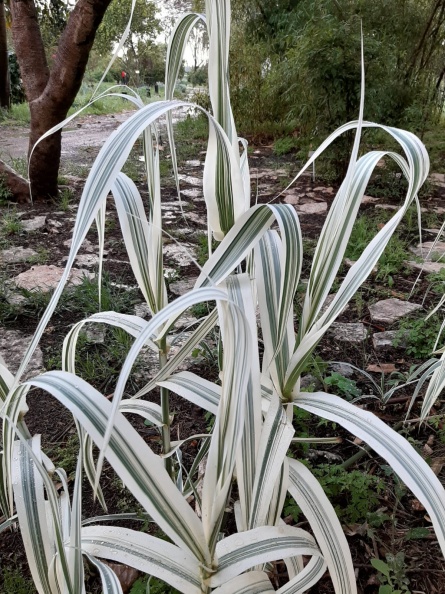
[73, 52]
[29, 47]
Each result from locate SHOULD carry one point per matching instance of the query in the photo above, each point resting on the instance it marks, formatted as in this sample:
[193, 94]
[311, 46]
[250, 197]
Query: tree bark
[51, 93]
[4, 64]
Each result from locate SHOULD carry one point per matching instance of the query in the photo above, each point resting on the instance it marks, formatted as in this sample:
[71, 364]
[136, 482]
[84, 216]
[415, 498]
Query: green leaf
[381, 566]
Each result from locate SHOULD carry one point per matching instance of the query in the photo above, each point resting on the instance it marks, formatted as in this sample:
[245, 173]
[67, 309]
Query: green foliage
[418, 336]
[5, 192]
[17, 91]
[392, 260]
[11, 223]
[342, 386]
[392, 574]
[353, 493]
[285, 145]
[152, 586]
[144, 23]
[15, 583]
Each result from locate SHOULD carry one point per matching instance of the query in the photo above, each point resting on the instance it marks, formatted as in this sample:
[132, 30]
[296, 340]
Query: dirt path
[77, 147]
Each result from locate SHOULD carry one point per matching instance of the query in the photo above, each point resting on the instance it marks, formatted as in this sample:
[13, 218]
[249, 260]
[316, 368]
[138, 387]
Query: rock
[16, 254]
[312, 208]
[291, 199]
[87, 260]
[386, 207]
[34, 224]
[327, 303]
[182, 254]
[343, 368]
[385, 340]
[428, 267]
[190, 180]
[311, 382]
[87, 246]
[95, 333]
[350, 263]
[193, 193]
[182, 286]
[142, 310]
[369, 199]
[437, 178]
[45, 278]
[389, 311]
[193, 163]
[352, 333]
[54, 223]
[13, 345]
[428, 252]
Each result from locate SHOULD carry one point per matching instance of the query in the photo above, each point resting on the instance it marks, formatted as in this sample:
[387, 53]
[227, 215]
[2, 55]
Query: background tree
[295, 63]
[4, 71]
[50, 85]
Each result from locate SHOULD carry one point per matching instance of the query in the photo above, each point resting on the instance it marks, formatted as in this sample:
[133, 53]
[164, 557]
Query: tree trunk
[51, 94]
[4, 65]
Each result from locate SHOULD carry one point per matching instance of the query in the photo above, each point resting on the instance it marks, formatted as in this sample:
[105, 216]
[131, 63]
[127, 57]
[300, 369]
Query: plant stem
[165, 406]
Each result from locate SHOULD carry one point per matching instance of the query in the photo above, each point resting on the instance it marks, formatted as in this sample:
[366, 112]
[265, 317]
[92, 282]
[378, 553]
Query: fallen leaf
[437, 464]
[416, 505]
[382, 368]
[125, 574]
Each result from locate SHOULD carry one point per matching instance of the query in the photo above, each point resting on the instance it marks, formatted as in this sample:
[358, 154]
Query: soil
[399, 510]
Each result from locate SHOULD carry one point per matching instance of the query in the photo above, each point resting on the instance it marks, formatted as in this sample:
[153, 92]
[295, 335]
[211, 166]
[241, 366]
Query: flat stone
[191, 180]
[343, 368]
[369, 199]
[182, 254]
[45, 278]
[193, 163]
[193, 193]
[428, 267]
[34, 224]
[87, 246]
[353, 333]
[389, 311]
[350, 263]
[182, 286]
[385, 340]
[13, 345]
[437, 178]
[142, 310]
[87, 260]
[428, 252]
[312, 208]
[16, 254]
[329, 299]
[291, 199]
[95, 333]
[386, 207]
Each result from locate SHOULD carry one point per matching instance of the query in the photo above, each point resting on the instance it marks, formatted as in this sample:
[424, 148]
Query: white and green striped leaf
[149, 554]
[402, 457]
[309, 495]
[253, 582]
[138, 467]
[239, 552]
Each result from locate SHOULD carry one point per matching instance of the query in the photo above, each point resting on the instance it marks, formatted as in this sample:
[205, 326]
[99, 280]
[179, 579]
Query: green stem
[165, 406]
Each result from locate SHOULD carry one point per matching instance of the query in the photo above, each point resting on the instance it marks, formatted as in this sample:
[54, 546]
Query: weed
[41, 257]
[11, 223]
[353, 493]
[392, 574]
[15, 583]
[285, 145]
[20, 164]
[65, 198]
[336, 383]
[5, 192]
[418, 335]
[203, 248]
[66, 457]
[151, 585]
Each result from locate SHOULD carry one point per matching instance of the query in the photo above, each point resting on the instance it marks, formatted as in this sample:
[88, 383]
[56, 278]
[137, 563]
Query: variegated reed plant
[254, 402]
